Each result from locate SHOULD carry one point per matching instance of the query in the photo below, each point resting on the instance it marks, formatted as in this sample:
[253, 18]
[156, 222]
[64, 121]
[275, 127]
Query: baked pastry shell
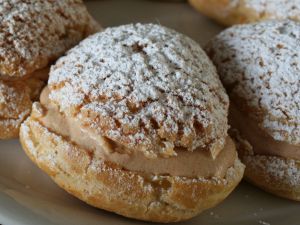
[262, 170]
[102, 184]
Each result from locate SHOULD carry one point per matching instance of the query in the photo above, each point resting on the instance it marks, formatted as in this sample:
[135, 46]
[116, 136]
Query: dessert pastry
[259, 66]
[134, 121]
[33, 34]
[229, 12]
[16, 98]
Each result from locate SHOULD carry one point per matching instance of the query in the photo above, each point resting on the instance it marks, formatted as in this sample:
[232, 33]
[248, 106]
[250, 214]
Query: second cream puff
[259, 66]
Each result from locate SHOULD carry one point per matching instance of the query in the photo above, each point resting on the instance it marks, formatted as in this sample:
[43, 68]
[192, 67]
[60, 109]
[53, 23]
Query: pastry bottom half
[134, 194]
[227, 14]
[277, 175]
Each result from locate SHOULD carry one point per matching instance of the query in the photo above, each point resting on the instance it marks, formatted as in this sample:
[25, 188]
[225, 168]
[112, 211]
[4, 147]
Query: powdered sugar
[285, 170]
[74, 168]
[12, 125]
[15, 103]
[147, 85]
[277, 172]
[262, 9]
[260, 63]
[276, 9]
[33, 33]
[8, 100]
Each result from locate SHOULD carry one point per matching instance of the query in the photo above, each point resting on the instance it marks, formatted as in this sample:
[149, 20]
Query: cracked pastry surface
[138, 181]
[259, 66]
[35, 33]
[172, 98]
[230, 12]
[32, 35]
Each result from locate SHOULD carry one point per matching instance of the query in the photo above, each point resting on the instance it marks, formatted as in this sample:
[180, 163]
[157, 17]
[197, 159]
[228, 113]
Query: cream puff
[16, 98]
[33, 34]
[134, 121]
[230, 12]
[259, 65]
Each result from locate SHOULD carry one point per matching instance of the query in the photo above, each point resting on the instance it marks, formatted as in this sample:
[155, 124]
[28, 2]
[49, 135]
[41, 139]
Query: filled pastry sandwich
[33, 34]
[259, 64]
[134, 121]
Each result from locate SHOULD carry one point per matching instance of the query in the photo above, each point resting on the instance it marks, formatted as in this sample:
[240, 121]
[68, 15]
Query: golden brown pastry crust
[35, 33]
[32, 35]
[229, 12]
[274, 174]
[160, 198]
[215, 9]
[16, 98]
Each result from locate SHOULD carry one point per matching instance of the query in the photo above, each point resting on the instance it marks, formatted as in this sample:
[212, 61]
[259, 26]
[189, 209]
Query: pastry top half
[259, 64]
[34, 33]
[145, 87]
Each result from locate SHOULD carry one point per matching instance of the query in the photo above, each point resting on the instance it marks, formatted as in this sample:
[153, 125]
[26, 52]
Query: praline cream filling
[262, 143]
[198, 163]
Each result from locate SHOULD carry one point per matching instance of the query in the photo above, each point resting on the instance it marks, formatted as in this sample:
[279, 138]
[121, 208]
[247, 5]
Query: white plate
[29, 197]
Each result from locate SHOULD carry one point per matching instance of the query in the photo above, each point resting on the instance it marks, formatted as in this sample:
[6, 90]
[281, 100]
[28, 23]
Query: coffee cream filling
[198, 163]
[262, 143]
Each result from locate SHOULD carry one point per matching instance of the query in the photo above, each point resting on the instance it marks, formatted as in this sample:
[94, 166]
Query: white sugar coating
[13, 123]
[259, 64]
[276, 9]
[271, 9]
[16, 98]
[148, 85]
[285, 170]
[15, 106]
[13, 102]
[33, 33]
[277, 172]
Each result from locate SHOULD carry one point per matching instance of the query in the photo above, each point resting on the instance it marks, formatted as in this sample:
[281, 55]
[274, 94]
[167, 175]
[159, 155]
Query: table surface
[29, 197]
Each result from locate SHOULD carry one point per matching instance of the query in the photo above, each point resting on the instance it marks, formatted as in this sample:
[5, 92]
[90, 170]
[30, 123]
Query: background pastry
[259, 66]
[145, 125]
[16, 98]
[229, 12]
[33, 34]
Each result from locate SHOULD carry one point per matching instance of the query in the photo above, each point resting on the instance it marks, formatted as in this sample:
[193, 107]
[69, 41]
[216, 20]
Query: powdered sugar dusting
[33, 33]
[60, 159]
[263, 9]
[285, 170]
[260, 63]
[15, 103]
[14, 108]
[11, 99]
[276, 9]
[143, 86]
[282, 171]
